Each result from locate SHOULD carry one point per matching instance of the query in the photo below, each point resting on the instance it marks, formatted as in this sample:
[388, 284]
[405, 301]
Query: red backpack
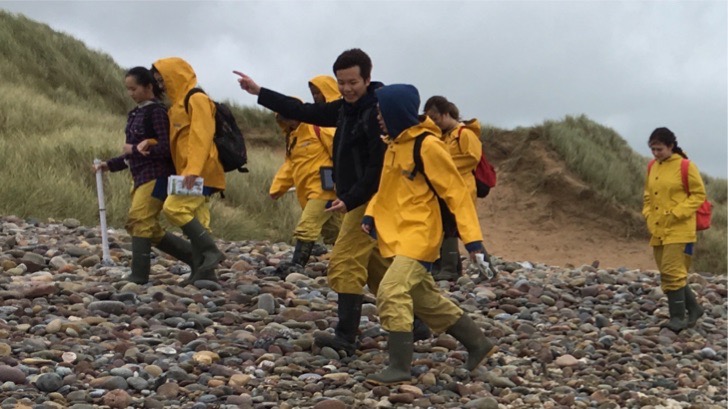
[484, 173]
[705, 211]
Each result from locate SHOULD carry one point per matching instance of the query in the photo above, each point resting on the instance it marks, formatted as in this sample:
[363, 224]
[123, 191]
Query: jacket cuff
[475, 246]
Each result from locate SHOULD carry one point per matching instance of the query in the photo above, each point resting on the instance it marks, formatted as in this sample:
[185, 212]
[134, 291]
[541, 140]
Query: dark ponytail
[144, 77]
[667, 138]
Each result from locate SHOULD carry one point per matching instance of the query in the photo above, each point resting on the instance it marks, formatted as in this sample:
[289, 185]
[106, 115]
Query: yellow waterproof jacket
[463, 143]
[306, 153]
[191, 132]
[668, 209]
[406, 212]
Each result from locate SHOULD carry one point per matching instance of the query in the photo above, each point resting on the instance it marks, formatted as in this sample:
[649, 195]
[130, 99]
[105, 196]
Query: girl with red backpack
[670, 208]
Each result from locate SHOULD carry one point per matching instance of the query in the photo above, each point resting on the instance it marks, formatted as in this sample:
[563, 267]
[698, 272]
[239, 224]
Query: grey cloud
[630, 65]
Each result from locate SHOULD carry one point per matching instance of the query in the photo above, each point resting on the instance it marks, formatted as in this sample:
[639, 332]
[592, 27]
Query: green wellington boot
[400, 346]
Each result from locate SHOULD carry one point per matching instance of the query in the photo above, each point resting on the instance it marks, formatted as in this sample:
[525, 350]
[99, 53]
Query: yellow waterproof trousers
[408, 289]
[180, 210]
[355, 260]
[673, 261]
[315, 221]
[143, 219]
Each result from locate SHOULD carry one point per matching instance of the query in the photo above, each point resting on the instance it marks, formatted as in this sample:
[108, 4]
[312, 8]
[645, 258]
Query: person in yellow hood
[192, 129]
[404, 215]
[463, 143]
[670, 215]
[308, 155]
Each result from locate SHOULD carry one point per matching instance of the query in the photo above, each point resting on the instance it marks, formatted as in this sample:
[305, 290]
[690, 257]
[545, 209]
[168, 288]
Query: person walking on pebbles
[669, 208]
[358, 153]
[463, 142]
[309, 149]
[192, 120]
[147, 156]
[404, 215]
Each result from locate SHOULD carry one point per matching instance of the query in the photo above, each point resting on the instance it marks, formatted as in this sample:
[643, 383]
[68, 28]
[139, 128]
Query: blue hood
[399, 104]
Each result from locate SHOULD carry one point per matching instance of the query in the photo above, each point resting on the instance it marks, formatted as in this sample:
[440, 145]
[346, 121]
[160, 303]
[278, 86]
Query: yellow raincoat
[404, 205]
[668, 210]
[190, 134]
[463, 143]
[306, 153]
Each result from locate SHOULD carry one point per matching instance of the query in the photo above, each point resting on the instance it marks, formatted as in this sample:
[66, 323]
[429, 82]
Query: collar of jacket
[674, 156]
[426, 125]
[367, 100]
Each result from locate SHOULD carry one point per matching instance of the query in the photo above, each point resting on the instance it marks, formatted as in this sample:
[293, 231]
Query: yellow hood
[328, 87]
[179, 77]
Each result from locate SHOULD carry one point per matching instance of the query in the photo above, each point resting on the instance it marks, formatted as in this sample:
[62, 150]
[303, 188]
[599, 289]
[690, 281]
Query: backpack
[229, 139]
[484, 174]
[705, 211]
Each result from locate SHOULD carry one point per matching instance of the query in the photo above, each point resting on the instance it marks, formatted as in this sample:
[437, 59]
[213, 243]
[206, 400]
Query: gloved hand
[367, 224]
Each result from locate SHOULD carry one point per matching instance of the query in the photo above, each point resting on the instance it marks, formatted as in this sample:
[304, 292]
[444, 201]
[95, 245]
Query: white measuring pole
[102, 214]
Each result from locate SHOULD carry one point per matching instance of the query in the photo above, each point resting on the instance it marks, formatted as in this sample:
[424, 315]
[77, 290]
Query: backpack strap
[649, 166]
[419, 166]
[684, 169]
[192, 92]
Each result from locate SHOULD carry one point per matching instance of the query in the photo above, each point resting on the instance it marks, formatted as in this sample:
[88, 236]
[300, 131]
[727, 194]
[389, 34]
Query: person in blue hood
[405, 215]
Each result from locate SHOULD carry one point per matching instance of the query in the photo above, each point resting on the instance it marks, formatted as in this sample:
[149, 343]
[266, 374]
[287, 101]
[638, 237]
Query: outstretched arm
[316, 114]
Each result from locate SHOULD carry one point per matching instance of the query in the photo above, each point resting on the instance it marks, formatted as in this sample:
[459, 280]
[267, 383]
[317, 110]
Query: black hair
[354, 57]
[144, 77]
[667, 138]
[442, 106]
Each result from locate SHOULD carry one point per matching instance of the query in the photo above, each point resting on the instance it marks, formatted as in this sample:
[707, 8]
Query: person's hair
[144, 77]
[667, 138]
[442, 106]
[354, 58]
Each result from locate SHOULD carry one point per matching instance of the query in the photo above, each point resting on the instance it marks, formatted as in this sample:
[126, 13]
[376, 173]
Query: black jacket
[358, 148]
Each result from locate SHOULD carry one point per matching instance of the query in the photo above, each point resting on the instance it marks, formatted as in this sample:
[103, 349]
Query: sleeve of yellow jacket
[469, 150]
[449, 185]
[283, 180]
[690, 205]
[647, 203]
[202, 132]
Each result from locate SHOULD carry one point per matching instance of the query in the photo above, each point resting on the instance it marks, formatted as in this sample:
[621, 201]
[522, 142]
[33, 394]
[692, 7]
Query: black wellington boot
[478, 346]
[176, 247]
[349, 308]
[676, 305]
[420, 330]
[695, 311]
[400, 348]
[205, 254]
[449, 261]
[140, 260]
[301, 255]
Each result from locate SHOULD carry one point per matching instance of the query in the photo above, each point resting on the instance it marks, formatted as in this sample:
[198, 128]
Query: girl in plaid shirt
[146, 153]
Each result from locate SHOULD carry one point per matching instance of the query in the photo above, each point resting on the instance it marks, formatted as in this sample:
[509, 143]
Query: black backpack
[229, 139]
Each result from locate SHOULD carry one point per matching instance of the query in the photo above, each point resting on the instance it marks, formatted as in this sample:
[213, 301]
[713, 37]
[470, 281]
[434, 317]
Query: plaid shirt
[158, 164]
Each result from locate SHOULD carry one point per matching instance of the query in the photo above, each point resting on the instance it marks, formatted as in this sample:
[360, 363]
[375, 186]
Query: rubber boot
[478, 346]
[301, 255]
[449, 261]
[420, 330]
[676, 305]
[349, 309]
[205, 254]
[400, 346]
[695, 311]
[140, 260]
[176, 247]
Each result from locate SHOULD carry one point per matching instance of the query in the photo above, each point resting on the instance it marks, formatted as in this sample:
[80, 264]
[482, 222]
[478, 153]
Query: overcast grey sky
[632, 66]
